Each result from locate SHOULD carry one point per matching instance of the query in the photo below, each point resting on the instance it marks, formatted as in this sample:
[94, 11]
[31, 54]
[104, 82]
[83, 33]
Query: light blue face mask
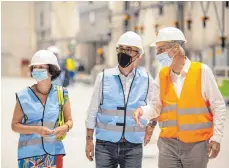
[40, 74]
[164, 59]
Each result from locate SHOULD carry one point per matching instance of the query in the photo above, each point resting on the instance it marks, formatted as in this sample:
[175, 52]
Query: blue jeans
[125, 154]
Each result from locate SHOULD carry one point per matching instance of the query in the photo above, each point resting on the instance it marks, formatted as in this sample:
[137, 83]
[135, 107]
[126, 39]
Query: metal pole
[152, 68]
[227, 55]
[214, 59]
[223, 28]
[223, 19]
[217, 17]
[181, 15]
[126, 22]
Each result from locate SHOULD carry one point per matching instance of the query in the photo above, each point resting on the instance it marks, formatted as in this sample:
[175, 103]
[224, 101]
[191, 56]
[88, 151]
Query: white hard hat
[44, 57]
[131, 39]
[169, 34]
[54, 50]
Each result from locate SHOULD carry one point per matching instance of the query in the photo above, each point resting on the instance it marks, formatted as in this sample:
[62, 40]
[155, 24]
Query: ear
[140, 56]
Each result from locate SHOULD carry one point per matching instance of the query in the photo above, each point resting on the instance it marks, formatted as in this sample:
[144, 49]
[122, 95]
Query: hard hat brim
[154, 43]
[43, 64]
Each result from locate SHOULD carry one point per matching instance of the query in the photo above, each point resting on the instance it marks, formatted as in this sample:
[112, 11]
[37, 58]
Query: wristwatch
[152, 123]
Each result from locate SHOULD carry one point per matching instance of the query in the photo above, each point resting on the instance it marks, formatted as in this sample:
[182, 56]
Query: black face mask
[124, 60]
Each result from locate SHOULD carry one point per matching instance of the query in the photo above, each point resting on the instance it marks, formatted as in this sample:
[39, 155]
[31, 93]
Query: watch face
[154, 123]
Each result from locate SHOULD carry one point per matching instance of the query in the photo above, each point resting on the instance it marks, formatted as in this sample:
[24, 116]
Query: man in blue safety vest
[118, 92]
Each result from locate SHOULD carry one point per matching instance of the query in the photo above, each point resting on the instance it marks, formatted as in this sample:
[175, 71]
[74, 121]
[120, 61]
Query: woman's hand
[43, 131]
[60, 131]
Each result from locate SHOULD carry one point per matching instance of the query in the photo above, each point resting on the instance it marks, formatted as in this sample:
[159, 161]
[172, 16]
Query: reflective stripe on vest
[189, 111]
[119, 113]
[120, 128]
[188, 116]
[169, 123]
[46, 124]
[169, 108]
[201, 110]
[35, 141]
[187, 127]
[115, 114]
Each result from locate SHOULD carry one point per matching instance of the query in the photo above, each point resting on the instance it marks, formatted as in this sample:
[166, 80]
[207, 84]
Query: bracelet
[89, 137]
[67, 126]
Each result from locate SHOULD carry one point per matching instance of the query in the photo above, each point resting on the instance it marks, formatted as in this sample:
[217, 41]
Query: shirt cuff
[147, 113]
[90, 125]
[216, 138]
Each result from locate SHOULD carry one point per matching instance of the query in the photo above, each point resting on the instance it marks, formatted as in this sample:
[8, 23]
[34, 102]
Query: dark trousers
[125, 154]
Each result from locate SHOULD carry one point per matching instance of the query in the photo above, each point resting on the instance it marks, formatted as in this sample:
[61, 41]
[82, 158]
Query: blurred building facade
[30, 26]
[92, 25]
[18, 35]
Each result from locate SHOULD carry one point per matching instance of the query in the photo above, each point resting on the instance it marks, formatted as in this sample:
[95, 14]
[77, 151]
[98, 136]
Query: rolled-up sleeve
[153, 107]
[95, 102]
[217, 103]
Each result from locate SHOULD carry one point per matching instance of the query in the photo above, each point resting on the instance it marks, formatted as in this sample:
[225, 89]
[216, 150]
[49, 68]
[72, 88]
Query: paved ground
[75, 142]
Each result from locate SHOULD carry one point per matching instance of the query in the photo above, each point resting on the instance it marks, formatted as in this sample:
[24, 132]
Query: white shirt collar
[117, 72]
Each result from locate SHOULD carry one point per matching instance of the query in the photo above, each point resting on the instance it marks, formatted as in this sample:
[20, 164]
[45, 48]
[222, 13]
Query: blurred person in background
[63, 79]
[118, 92]
[71, 67]
[192, 108]
[36, 114]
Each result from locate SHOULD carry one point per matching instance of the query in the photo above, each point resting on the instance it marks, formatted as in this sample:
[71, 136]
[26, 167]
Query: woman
[36, 115]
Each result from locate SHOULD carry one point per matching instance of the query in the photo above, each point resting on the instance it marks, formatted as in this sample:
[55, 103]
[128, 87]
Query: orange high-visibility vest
[187, 118]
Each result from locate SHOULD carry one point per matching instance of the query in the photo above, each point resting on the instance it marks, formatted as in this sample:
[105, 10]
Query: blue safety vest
[115, 116]
[36, 114]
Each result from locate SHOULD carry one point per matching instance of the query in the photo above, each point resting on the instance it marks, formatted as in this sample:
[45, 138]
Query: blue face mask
[164, 59]
[40, 74]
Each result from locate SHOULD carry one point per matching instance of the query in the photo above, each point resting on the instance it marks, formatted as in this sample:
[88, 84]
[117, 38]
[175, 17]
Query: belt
[123, 140]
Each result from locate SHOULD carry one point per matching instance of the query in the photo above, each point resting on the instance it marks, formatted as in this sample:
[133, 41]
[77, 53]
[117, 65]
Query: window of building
[42, 35]
[92, 17]
[42, 18]
[220, 73]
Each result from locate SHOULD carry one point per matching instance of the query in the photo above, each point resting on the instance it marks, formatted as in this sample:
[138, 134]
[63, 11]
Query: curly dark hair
[52, 69]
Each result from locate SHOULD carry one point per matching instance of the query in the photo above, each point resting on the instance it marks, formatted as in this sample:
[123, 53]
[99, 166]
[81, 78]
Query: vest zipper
[126, 101]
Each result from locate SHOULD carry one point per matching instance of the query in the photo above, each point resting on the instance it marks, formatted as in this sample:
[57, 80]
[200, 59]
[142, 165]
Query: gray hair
[179, 42]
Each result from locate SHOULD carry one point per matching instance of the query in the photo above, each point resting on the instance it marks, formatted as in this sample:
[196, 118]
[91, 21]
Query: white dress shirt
[126, 82]
[210, 92]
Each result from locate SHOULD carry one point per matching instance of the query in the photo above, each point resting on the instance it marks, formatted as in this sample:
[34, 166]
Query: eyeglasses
[127, 51]
[160, 50]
